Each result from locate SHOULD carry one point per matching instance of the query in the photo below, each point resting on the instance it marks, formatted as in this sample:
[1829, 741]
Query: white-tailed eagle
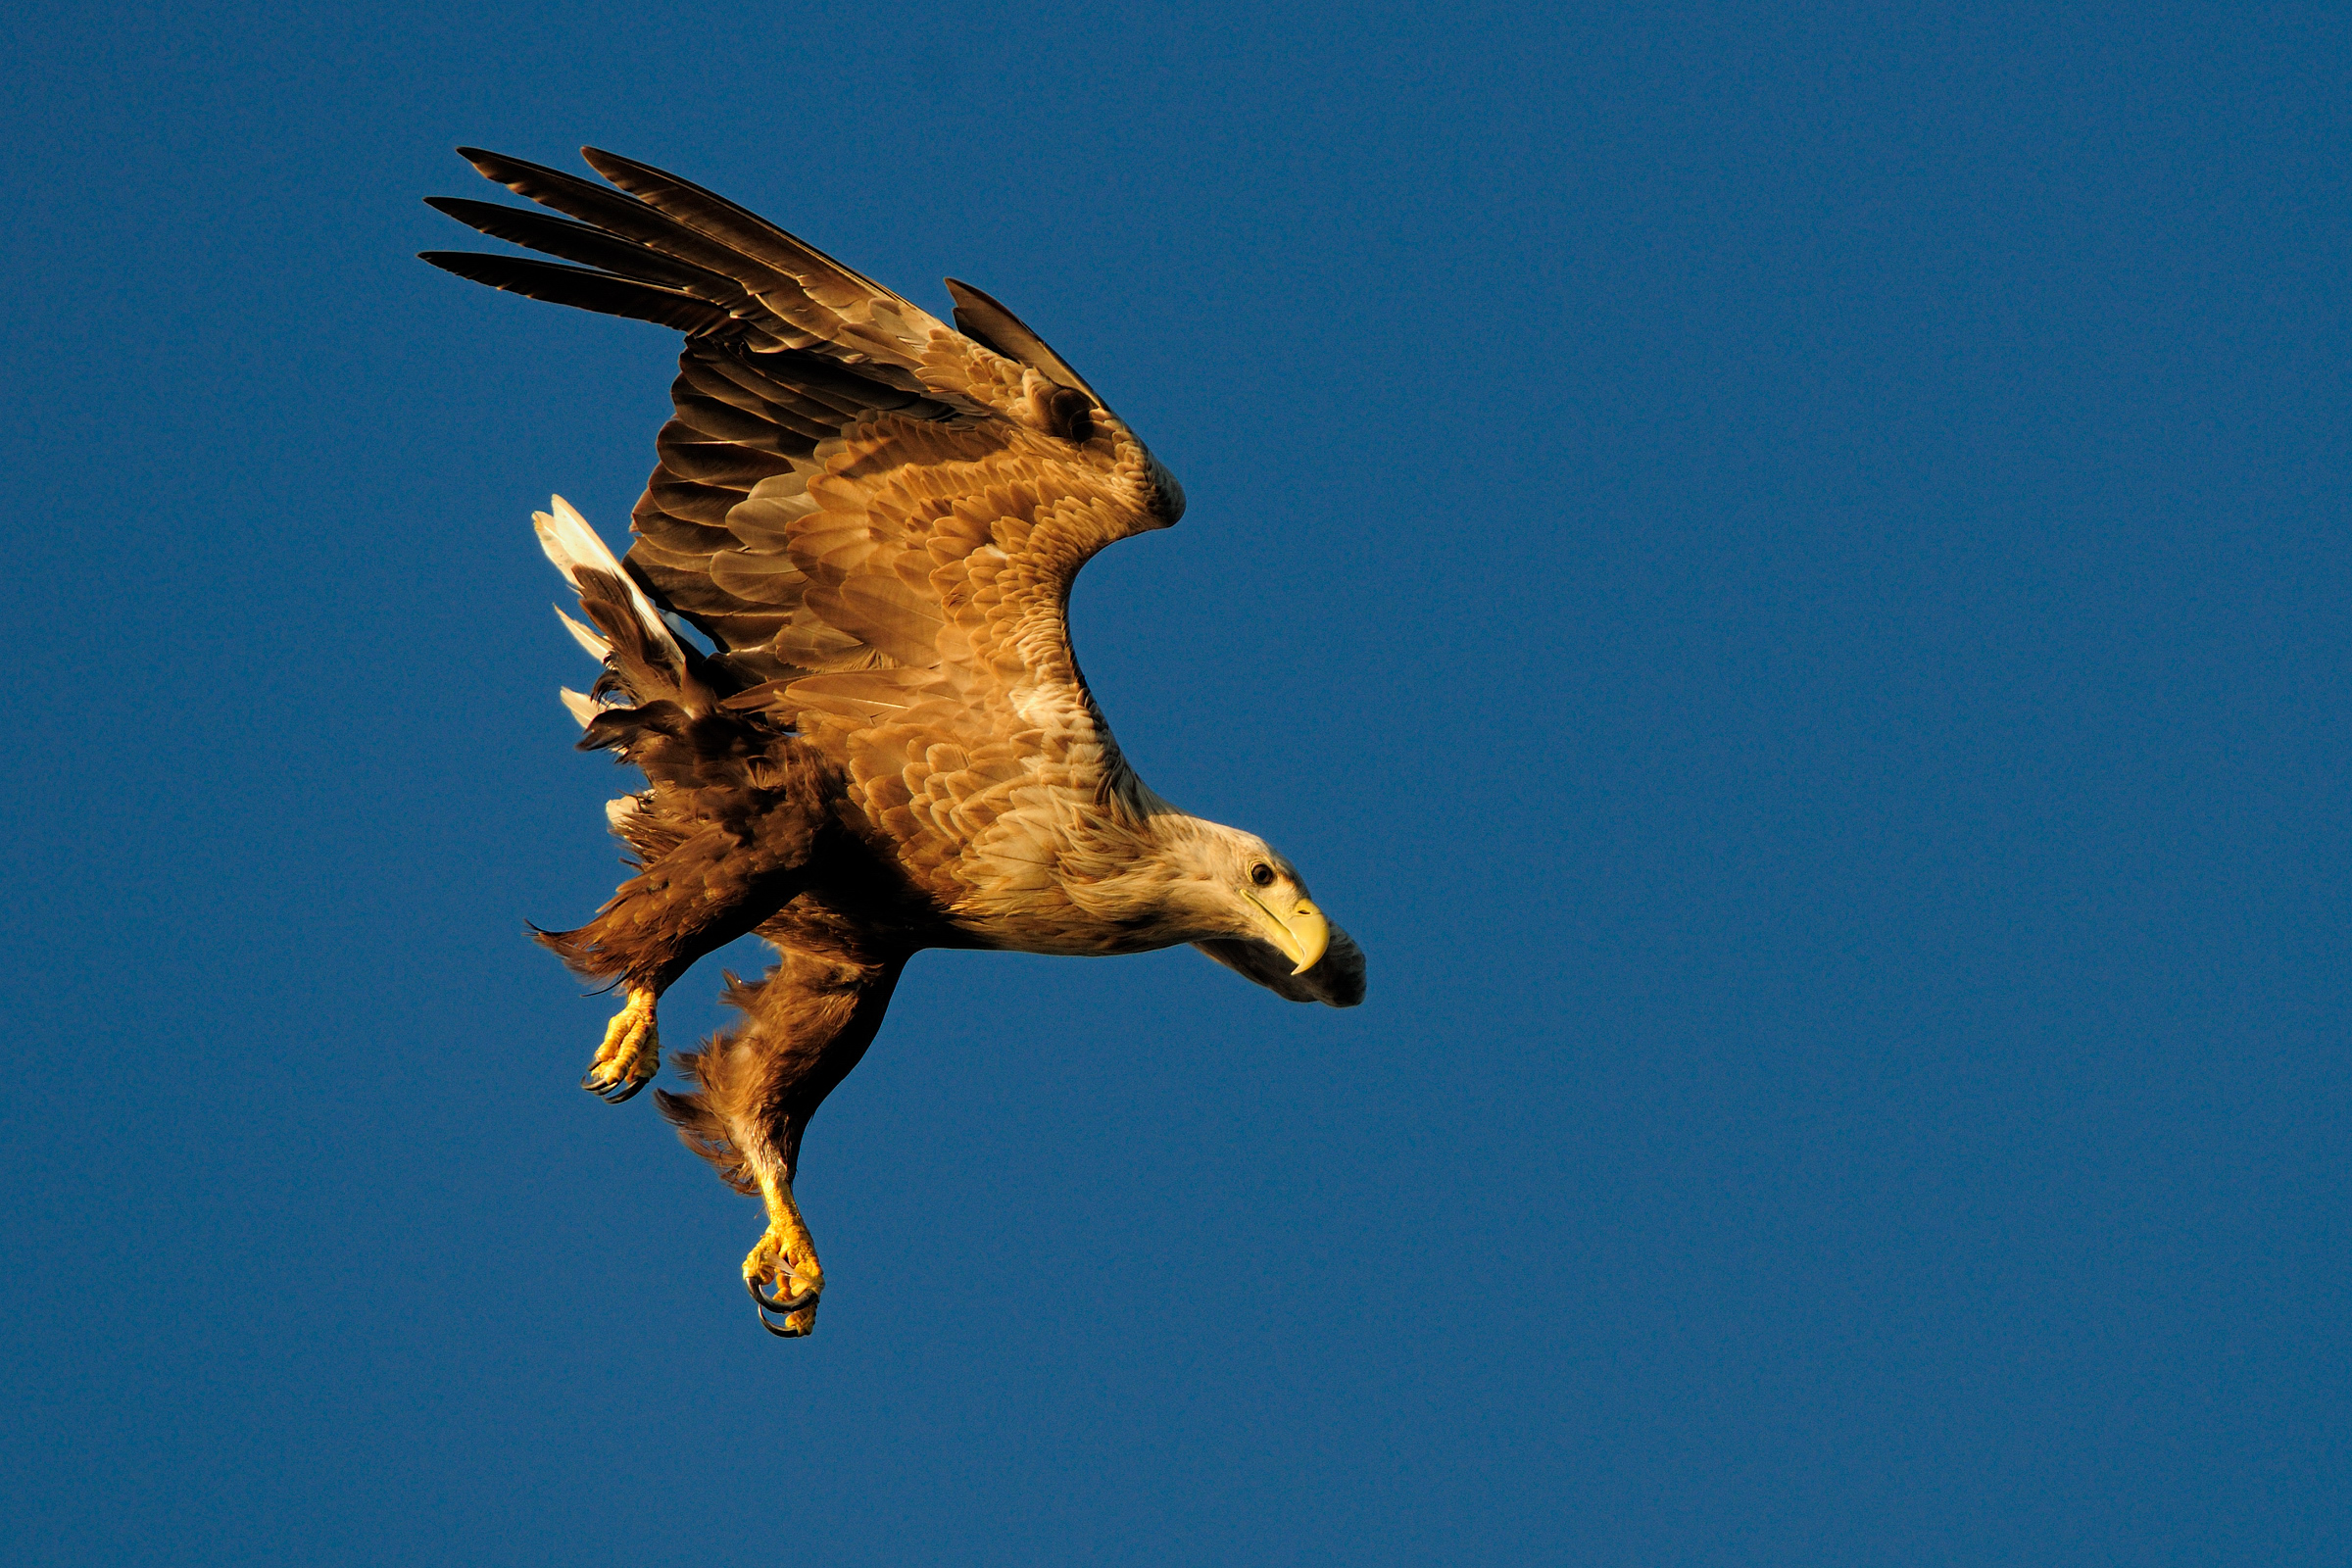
[874, 518]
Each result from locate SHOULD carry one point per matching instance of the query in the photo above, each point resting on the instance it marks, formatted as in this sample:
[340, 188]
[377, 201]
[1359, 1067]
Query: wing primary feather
[568, 194]
[601, 292]
[584, 243]
[580, 706]
[623, 215]
[737, 228]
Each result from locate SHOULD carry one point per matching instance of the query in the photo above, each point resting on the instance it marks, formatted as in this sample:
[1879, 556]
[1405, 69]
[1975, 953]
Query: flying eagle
[874, 519]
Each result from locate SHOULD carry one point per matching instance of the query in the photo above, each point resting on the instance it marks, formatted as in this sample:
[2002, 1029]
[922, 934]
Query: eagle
[874, 520]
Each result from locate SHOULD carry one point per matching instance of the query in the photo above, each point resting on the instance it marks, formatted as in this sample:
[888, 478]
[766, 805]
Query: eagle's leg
[694, 896]
[805, 1024]
[631, 1053]
[786, 1261]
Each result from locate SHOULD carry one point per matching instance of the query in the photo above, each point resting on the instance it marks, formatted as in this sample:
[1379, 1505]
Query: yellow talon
[631, 1053]
[785, 1261]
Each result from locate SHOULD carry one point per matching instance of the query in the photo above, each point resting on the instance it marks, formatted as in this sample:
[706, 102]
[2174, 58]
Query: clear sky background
[1784, 568]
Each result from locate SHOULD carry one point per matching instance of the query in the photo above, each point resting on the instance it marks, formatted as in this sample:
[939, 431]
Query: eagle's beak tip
[1315, 940]
[1303, 934]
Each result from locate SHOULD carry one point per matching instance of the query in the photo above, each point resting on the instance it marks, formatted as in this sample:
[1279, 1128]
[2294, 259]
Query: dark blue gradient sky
[1787, 575]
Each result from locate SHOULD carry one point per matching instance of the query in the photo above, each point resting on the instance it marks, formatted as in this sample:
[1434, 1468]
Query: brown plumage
[875, 518]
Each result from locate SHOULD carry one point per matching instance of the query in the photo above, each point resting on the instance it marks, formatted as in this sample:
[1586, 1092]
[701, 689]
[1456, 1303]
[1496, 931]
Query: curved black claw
[780, 1330]
[612, 1094]
[780, 1305]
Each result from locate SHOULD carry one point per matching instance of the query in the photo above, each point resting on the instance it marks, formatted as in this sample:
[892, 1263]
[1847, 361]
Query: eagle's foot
[631, 1053]
[782, 1272]
[796, 1285]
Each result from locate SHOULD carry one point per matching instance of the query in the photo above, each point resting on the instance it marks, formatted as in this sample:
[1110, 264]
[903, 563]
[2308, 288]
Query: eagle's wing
[875, 517]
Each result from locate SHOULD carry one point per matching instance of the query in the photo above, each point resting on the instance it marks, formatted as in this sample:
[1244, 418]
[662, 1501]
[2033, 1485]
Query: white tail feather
[580, 706]
[587, 638]
[620, 808]
[574, 548]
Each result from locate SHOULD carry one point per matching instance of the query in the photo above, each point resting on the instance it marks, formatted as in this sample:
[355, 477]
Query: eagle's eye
[1262, 874]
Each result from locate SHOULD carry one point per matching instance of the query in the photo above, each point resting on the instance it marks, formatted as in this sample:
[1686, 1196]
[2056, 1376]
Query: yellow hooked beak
[1302, 935]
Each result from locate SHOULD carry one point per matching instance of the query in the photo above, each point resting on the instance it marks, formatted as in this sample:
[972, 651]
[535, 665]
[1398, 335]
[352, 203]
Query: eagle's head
[1242, 902]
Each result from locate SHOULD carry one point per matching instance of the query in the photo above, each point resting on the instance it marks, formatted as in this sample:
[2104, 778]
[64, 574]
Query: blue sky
[1785, 575]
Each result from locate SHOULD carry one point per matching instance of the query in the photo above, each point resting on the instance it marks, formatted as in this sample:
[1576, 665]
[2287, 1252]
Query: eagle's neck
[1109, 870]
[1148, 880]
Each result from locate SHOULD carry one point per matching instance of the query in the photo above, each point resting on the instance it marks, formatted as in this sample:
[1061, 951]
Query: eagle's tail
[642, 657]
[656, 703]
[653, 685]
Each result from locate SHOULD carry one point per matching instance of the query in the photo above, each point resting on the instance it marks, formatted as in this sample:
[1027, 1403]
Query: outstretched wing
[875, 517]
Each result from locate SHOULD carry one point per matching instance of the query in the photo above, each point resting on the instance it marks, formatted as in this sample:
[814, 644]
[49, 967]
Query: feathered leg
[703, 886]
[805, 1024]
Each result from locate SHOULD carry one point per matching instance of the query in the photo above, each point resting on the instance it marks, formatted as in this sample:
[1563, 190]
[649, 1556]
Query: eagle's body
[875, 518]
